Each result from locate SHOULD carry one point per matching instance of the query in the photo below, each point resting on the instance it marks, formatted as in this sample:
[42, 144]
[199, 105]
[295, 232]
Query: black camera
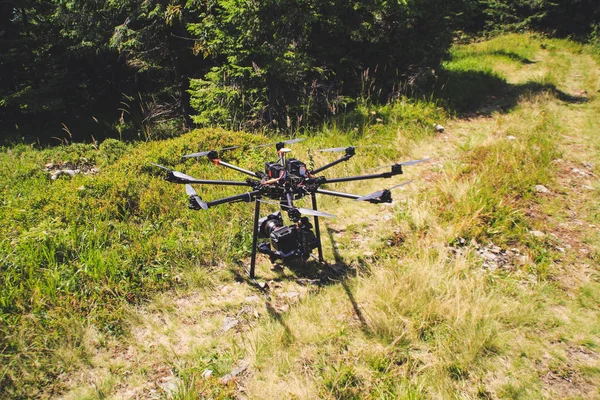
[293, 241]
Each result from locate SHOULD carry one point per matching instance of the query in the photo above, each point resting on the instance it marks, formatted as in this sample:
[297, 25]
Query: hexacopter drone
[285, 180]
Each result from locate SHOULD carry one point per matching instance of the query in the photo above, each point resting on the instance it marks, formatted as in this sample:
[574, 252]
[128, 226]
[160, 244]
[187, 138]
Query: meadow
[474, 283]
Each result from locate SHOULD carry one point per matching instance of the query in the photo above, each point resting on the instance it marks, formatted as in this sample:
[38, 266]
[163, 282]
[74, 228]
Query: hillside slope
[480, 280]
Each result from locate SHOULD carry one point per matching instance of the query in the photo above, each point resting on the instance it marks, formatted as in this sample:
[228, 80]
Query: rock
[587, 187]
[228, 323]
[541, 189]
[588, 165]
[532, 278]
[290, 295]
[561, 249]
[577, 171]
[438, 128]
[207, 373]
[235, 372]
[538, 234]
[510, 137]
[253, 299]
[61, 172]
[170, 385]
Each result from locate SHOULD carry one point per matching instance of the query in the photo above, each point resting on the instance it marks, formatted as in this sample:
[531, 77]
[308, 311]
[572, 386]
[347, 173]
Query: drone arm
[337, 194]
[246, 197]
[212, 182]
[234, 167]
[362, 177]
[331, 164]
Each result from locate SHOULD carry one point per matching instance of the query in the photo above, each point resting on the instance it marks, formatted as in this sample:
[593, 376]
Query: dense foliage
[80, 70]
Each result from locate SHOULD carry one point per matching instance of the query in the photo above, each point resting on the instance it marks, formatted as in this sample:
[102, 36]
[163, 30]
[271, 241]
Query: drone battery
[284, 239]
[273, 169]
[296, 167]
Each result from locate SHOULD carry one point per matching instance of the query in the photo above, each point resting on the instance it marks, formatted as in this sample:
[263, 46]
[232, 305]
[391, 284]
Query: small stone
[561, 249]
[587, 187]
[171, 385]
[577, 171]
[489, 256]
[496, 250]
[538, 234]
[290, 295]
[207, 373]
[61, 172]
[235, 372]
[284, 308]
[253, 299]
[228, 323]
[49, 166]
[438, 128]
[541, 189]
[368, 254]
[588, 165]
[510, 137]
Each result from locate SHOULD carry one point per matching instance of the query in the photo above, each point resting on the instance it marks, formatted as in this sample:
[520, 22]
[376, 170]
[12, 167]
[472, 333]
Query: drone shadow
[317, 274]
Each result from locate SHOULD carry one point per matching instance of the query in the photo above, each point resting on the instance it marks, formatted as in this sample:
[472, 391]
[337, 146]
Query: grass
[111, 288]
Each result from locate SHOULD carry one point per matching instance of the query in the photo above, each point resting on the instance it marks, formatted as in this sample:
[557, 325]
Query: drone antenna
[282, 152]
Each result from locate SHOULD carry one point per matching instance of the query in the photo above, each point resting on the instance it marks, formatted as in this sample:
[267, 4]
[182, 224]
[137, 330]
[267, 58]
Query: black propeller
[176, 176]
[382, 195]
[303, 211]
[205, 153]
[196, 202]
[403, 164]
[340, 149]
[290, 141]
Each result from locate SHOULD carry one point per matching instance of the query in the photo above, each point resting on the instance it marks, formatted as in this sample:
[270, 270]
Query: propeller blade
[334, 149]
[290, 141]
[404, 163]
[339, 149]
[196, 202]
[400, 184]
[315, 213]
[160, 166]
[413, 162]
[181, 175]
[189, 190]
[370, 196]
[200, 154]
[379, 193]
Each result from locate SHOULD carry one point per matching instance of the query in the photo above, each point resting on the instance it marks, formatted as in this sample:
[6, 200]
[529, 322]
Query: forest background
[130, 69]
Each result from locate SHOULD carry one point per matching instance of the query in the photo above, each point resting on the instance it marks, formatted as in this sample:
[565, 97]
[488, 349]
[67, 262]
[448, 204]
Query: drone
[282, 182]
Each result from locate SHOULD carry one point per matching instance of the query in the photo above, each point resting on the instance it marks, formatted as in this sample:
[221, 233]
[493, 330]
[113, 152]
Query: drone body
[283, 182]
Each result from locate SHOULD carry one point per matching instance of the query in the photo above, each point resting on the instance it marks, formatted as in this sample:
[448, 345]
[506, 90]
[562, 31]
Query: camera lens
[269, 224]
